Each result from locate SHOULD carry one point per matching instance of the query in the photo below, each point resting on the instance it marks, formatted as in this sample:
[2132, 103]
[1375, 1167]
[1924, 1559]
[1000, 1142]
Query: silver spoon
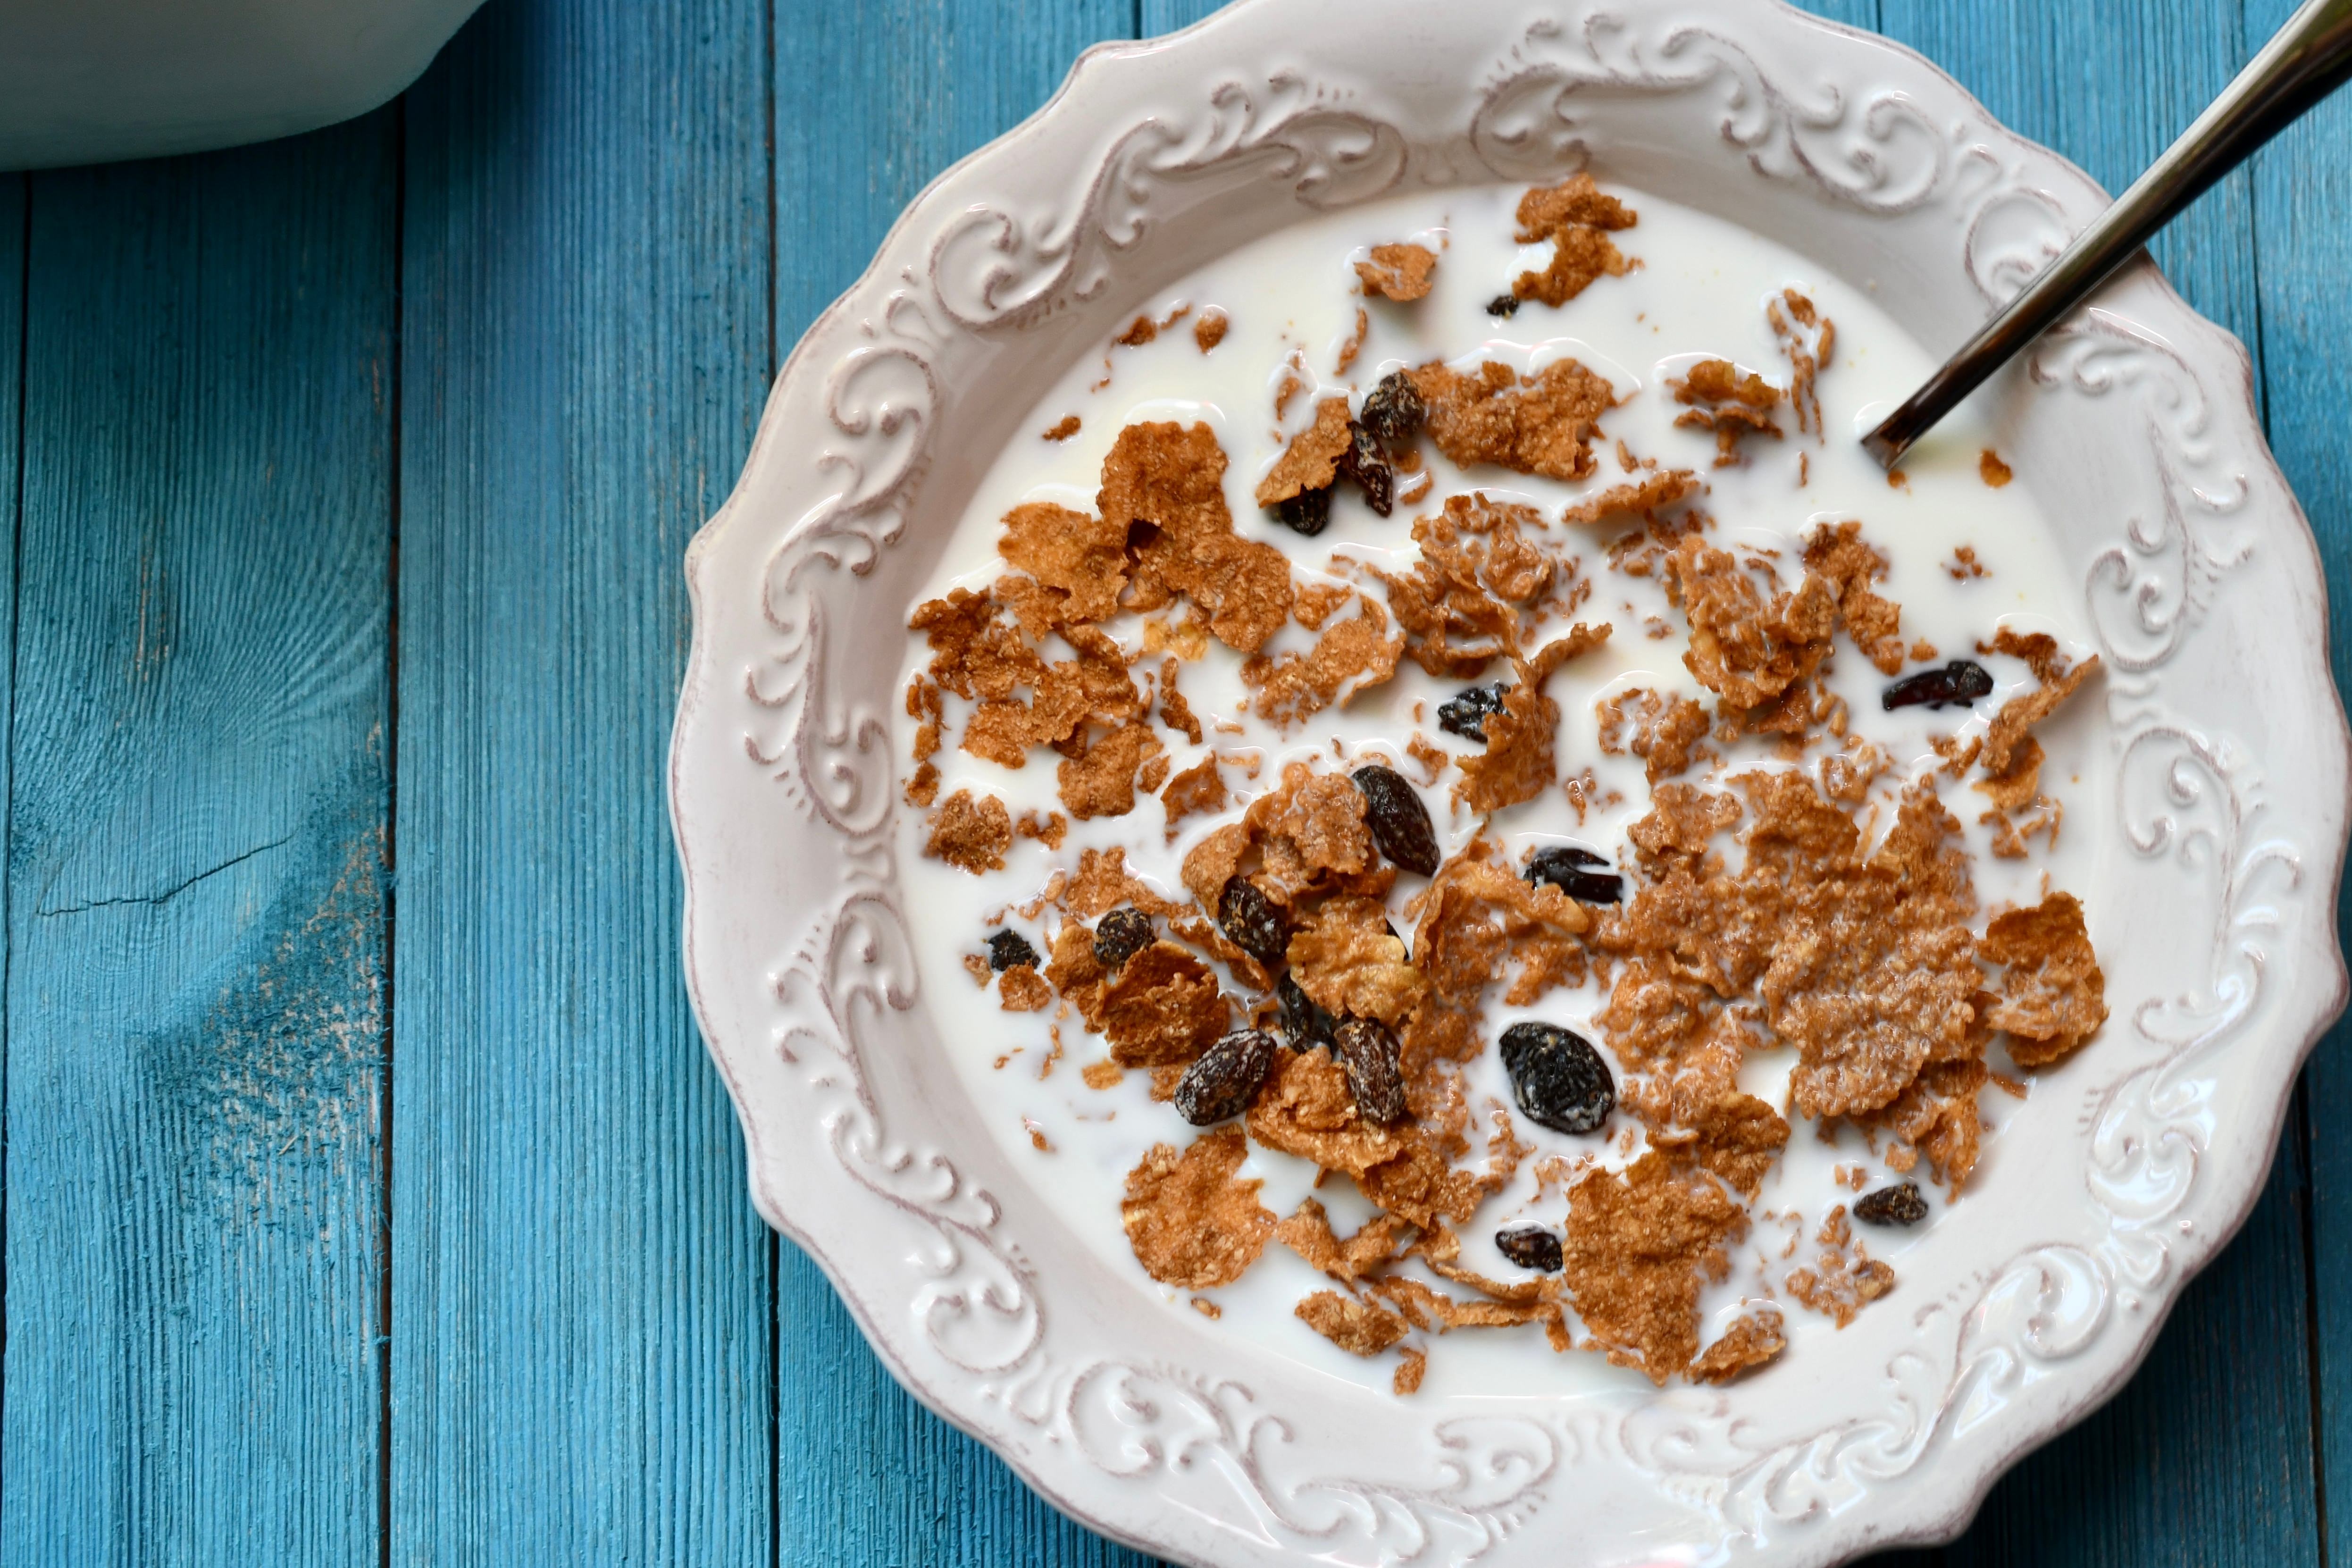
[2309, 58]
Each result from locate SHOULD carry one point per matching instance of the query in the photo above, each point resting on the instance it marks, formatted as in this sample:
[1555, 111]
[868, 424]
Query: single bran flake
[1191, 1223]
[1401, 272]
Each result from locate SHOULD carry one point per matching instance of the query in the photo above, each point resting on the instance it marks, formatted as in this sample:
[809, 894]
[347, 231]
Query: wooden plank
[2302, 193]
[196, 887]
[868, 1476]
[581, 1290]
[2206, 1457]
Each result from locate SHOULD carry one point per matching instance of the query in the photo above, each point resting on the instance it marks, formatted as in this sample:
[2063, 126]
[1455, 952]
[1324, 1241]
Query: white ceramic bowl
[88, 80]
[2218, 861]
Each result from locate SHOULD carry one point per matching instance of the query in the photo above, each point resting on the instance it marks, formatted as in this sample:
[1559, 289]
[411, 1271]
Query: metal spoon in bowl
[2309, 58]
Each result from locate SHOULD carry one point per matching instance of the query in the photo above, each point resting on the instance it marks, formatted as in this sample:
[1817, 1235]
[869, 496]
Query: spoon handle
[2308, 59]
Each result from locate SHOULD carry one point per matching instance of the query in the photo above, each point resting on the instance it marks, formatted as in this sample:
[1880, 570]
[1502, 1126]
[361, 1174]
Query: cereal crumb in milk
[1456, 744]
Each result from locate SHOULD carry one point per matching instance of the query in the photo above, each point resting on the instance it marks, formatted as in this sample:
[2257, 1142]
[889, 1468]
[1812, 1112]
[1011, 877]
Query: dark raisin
[1009, 950]
[1394, 411]
[1369, 1053]
[1221, 1080]
[1249, 917]
[1504, 305]
[1465, 713]
[1305, 1024]
[1120, 935]
[1898, 1205]
[1530, 1246]
[1563, 866]
[1557, 1078]
[1963, 680]
[1362, 462]
[1400, 823]
[1304, 512]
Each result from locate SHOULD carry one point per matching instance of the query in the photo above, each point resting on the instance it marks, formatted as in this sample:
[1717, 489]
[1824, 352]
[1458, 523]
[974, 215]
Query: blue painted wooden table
[368, 1197]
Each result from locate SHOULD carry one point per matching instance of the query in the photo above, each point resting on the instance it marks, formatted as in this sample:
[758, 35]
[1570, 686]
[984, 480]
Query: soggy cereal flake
[1163, 485]
[1191, 1223]
[1839, 1286]
[1578, 218]
[1936, 1116]
[1720, 399]
[1317, 602]
[1351, 656]
[1744, 650]
[1638, 1248]
[1359, 1328]
[1663, 731]
[1676, 833]
[1402, 272]
[1460, 606]
[1411, 1366]
[1433, 759]
[1104, 882]
[1102, 782]
[1810, 340]
[1839, 553]
[1311, 462]
[1063, 429]
[1103, 1075]
[1163, 1009]
[2004, 741]
[1519, 763]
[1308, 1232]
[970, 835]
[1543, 423]
[1639, 497]
[1211, 329]
[2052, 993]
[1048, 831]
[1311, 831]
[1021, 989]
[1077, 973]
[1199, 788]
[1304, 1109]
[1082, 558]
[1992, 470]
[1847, 774]
[1344, 957]
[2039, 650]
[1754, 1338]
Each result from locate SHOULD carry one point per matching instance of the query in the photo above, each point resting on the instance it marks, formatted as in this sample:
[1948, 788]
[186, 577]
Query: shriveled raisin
[1305, 1024]
[1962, 680]
[1219, 1084]
[1362, 462]
[1565, 868]
[1250, 918]
[1122, 934]
[1898, 1205]
[1504, 305]
[1399, 821]
[1530, 1246]
[1305, 512]
[1393, 410]
[1369, 1053]
[1558, 1078]
[1008, 950]
[1465, 713]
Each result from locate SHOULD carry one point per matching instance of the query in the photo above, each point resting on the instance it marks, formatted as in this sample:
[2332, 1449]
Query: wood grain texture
[196, 888]
[581, 1290]
[2303, 231]
[866, 1476]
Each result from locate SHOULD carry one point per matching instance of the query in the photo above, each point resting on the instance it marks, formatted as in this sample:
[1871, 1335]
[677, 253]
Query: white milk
[1700, 292]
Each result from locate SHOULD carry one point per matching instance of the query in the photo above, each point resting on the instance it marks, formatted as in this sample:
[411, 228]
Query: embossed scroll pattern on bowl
[2227, 824]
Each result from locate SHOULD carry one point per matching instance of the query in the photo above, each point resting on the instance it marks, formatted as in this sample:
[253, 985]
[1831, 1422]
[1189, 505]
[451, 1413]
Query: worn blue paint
[196, 889]
[2303, 221]
[247, 888]
[580, 1293]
